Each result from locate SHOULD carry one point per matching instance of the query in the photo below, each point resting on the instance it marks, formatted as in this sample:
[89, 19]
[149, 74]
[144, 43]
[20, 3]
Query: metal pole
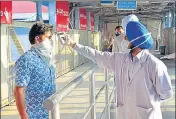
[92, 95]
[115, 95]
[71, 14]
[52, 12]
[107, 95]
[76, 26]
[8, 67]
[55, 113]
[39, 11]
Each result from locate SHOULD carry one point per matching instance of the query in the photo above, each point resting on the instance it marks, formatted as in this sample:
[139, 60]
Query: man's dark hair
[39, 29]
[117, 27]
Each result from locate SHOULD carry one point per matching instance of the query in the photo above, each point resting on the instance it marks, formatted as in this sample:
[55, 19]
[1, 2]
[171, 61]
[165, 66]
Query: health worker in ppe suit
[142, 80]
[120, 42]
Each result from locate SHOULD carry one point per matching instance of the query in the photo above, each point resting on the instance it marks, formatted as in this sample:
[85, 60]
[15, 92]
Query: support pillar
[39, 11]
[52, 13]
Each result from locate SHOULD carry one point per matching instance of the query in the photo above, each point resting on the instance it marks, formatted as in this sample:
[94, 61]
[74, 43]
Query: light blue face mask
[44, 50]
[148, 34]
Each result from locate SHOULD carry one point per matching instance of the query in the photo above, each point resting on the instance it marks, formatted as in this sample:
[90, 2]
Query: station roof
[152, 9]
[26, 7]
[26, 11]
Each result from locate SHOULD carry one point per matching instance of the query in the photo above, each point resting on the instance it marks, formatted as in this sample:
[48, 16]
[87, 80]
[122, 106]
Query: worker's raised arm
[103, 59]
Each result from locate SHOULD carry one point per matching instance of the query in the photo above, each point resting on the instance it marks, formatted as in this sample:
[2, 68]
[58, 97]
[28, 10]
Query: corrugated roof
[26, 7]
[26, 11]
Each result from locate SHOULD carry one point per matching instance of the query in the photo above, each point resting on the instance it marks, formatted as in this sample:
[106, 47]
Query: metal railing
[11, 83]
[52, 104]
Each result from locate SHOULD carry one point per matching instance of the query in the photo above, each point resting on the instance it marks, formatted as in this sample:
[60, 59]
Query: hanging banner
[6, 12]
[82, 19]
[62, 16]
[92, 21]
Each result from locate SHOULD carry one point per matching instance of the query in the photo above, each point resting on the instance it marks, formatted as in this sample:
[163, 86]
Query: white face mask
[148, 34]
[44, 49]
[45, 45]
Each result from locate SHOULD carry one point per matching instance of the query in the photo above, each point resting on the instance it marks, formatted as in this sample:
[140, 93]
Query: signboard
[107, 2]
[62, 16]
[6, 12]
[91, 21]
[126, 5]
[82, 19]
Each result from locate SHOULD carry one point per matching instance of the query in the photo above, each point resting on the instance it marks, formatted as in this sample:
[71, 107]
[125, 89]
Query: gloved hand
[65, 39]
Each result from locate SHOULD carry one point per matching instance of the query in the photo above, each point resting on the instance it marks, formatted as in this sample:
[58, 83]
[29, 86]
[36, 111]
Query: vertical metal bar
[76, 18]
[73, 18]
[10, 90]
[88, 20]
[92, 95]
[65, 48]
[55, 113]
[52, 12]
[71, 14]
[115, 95]
[39, 11]
[107, 96]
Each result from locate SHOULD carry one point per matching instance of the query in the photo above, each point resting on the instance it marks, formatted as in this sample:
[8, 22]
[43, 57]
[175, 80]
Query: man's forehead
[117, 29]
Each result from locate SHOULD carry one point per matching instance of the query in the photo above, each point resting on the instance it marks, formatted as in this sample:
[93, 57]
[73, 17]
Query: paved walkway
[77, 102]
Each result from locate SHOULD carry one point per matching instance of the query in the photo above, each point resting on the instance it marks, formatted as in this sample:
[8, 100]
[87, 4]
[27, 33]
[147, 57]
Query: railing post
[92, 95]
[107, 95]
[55, 113]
